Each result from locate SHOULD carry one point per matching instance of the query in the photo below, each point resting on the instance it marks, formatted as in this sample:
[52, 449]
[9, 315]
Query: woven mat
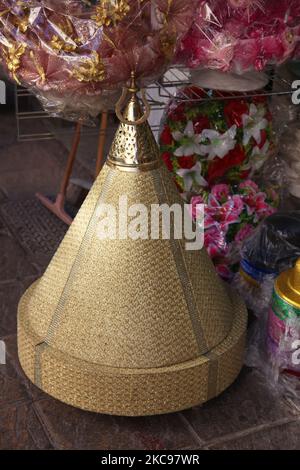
[37, 230]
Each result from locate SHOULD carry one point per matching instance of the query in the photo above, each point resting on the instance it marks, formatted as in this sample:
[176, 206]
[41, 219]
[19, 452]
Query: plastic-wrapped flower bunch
[241, 35]
[231, 214]
[77, 54]
[220, 140]
[215, 148]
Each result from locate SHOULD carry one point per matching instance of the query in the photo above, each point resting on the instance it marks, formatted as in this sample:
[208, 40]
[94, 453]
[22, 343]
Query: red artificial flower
[166, 136]
[186, 162]
[166, 156]
[244, 174]
[234, 111]
[178, 113]
[201, 123]
[219, 167]
[259, 99]
[263, 135]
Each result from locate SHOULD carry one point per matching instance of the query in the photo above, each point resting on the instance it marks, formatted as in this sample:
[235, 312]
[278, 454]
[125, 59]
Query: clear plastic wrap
[290, 152]
[216, 150]
[270, 250]
[215, 141]
[231, 213]
[241, 35]
[274, 338]
[76, 55]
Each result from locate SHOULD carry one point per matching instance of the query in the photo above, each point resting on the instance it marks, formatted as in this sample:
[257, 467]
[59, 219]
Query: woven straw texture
[130, 327]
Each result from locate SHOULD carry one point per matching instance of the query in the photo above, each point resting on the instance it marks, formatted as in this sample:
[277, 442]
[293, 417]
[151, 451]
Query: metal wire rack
[33, 123]
[178, 78]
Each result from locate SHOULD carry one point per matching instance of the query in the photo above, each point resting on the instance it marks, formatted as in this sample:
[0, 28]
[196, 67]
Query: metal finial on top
[134, 147]
[133, 90]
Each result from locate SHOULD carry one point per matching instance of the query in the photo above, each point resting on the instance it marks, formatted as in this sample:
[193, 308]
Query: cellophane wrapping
[241, 35]
[76, 55]
[217, 150]
[273, 248]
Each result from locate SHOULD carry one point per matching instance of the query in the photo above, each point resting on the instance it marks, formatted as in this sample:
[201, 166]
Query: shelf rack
[158, 94]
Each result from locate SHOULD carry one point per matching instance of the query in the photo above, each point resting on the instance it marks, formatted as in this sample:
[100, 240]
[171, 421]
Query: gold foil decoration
[65, 42]
[111, 12]
[92, 69]
[59, 45]
[38, 67]
[168, 43]
[12, 55]
[22, 23]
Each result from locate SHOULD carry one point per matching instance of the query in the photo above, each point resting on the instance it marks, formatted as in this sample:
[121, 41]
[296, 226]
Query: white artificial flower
[191, 145]
[190, 175]
[254, 123]
[220, 144]
[257, 158]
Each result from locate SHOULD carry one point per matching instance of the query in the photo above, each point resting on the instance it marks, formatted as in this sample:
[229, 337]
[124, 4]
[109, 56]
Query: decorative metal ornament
[130, 327]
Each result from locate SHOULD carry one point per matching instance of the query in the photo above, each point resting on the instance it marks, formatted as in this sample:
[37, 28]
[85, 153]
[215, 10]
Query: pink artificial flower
[243, 233]
[263, 209]
[247, 55]
[224, 272]
[256, 205]
[249, 185]
[220, 192]
[195, 200]
[223, 215]
[215, 242]
[220, 51]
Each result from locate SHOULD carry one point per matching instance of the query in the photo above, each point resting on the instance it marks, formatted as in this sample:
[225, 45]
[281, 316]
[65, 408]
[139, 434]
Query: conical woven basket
[130, 327]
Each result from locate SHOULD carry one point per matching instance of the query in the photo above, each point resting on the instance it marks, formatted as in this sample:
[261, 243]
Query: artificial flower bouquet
[76, 55]
[241, 35]
[215, 148]
[232, 212]
[223, 140]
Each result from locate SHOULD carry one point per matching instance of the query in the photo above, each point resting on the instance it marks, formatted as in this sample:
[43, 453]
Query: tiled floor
[246, 416]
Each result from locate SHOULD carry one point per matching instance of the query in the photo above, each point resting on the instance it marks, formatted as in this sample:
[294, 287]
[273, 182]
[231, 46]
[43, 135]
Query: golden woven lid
[130, 326]
[287, 285]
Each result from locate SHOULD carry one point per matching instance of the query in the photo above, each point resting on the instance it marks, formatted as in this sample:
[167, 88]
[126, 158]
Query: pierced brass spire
[134, 147]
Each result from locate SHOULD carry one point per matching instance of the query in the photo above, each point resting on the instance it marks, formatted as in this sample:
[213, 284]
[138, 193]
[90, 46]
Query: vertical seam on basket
[39, 349]
[213, 372]
[74, 269]
[181, 268]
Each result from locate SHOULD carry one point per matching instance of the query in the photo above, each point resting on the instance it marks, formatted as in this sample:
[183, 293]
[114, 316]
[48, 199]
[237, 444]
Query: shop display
[130, 326]
[76, 55]
[240, 36]
[214, 141]
[271, 249]
[231, 215]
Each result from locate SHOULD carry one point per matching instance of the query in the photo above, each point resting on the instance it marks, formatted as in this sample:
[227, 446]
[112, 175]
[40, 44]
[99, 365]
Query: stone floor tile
[10, 294]
[21, 429]
[29, 167]
[281, 437]
[246, 404]
[14, 264]
[70, 428]
[11, 386]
